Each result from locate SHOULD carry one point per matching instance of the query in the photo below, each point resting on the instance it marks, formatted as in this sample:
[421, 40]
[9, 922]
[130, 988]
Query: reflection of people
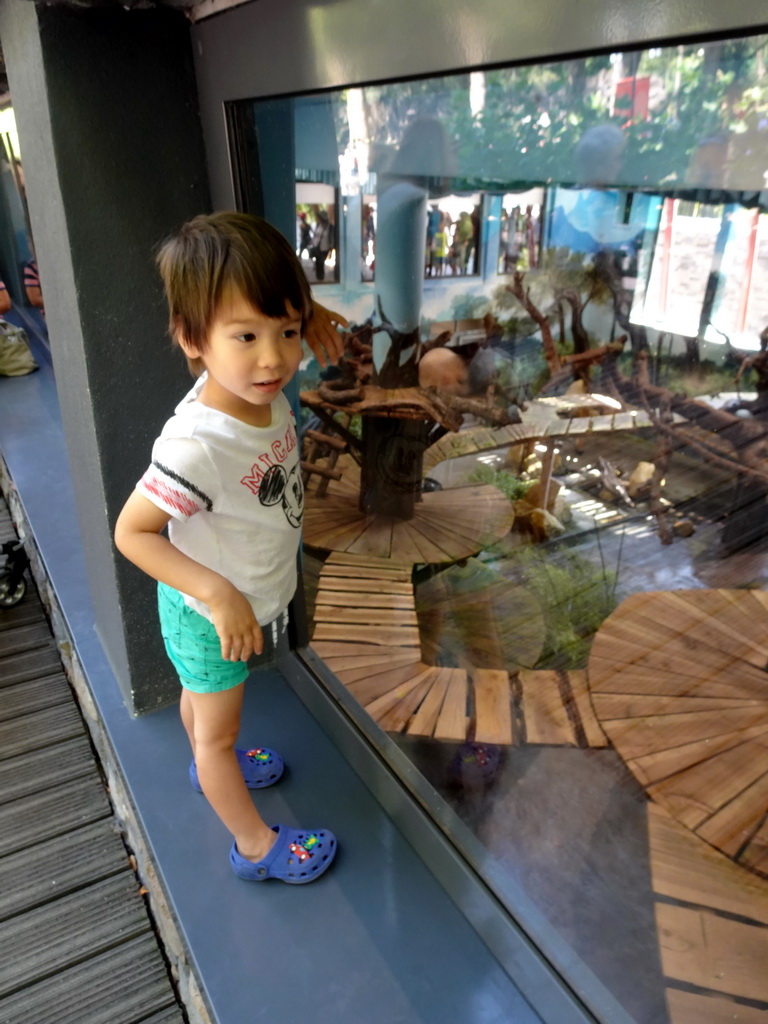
[599, 154]
[227, 569]
[322, 243]
[32, 285]
[304, 232]
[464, 237]
[5, 298]
[439, 248]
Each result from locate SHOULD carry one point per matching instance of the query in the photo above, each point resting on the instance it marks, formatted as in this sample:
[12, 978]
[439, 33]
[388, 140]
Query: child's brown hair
[213, 253]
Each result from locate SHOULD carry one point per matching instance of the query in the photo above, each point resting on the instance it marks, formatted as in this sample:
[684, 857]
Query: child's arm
[138, 536]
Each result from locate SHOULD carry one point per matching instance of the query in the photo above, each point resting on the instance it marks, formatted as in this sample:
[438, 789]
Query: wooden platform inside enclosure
[540, 422]
[76, 942]
[367, 632]
[680, 686]
[447, 525]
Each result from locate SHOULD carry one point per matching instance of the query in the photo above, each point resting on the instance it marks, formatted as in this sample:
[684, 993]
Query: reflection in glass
[536, 540]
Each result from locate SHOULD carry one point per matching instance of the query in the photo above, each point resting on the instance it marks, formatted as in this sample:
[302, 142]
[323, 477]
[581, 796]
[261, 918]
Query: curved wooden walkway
[76, 942]
[679, 682]
[446, 526]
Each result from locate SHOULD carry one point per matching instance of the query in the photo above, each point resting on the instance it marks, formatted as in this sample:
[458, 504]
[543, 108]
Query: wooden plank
[52, 812]
[337, 559]
[734, 825]
[593, 731]
[376, 539]
[29, 877]
[34, 695]
[628, 705]
[29, 637]
[359, 673]
[40, 730]
[659, 765]
[713, 952]
[734, 618]
[381, 657]
[27, 773]
[701, 636]
[359, 599]
[373, 686]
[452, 720]
[450, 544]
[332, 649]
[639, 736]
[629, 643]
[330, 535]
[493, 707]
[613, 661]
[685, 869]
[379, 707]
[695, 1008]
[755, 856]
[374, 616]
[394, 637]
[546, 718]
[398, 717]
[74, 927]
[395, 573]
[424, 721]
[131, 977]
[363, 586]
[406, 543]
[695, 794]
[30, 665]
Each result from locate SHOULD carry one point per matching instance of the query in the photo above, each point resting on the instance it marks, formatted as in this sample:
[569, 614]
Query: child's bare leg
[188, 718]
[215, 723]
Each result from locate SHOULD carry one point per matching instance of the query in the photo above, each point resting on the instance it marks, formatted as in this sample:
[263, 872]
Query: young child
[225, 481]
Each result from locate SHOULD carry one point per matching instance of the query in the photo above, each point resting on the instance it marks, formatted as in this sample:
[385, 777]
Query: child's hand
[322, 335]
[236, 626]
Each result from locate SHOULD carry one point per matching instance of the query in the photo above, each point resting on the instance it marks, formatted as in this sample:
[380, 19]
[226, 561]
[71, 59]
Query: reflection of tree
[532, 118]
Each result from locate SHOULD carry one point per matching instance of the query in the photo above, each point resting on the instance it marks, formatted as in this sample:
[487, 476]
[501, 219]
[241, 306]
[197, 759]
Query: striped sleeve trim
[173, 492]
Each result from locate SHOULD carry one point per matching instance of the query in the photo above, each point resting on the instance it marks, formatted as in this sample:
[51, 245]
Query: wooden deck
[446, 526]
[76, 943]
[677, 683]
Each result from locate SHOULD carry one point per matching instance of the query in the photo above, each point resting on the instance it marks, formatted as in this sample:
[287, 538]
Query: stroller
[13, 585]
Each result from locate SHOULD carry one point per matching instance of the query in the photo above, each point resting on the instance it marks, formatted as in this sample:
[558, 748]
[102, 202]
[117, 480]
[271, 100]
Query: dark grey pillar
[108, 124]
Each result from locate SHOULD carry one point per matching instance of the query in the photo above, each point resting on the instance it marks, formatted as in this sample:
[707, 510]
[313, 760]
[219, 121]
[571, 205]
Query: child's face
[250, 358]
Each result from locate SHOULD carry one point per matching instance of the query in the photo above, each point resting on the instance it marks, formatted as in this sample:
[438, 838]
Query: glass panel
[536, 490]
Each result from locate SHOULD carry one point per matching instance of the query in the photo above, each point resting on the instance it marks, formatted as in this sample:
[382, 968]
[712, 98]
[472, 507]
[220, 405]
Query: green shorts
[195, 649]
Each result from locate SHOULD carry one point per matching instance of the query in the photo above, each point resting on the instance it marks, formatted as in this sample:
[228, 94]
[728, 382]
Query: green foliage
[509, 485]
[576, 597]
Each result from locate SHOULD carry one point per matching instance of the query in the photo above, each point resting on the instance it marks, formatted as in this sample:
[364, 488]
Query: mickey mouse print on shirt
[277, 485]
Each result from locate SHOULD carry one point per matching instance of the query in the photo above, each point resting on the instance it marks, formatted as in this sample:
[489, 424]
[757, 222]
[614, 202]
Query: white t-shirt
[235, 498]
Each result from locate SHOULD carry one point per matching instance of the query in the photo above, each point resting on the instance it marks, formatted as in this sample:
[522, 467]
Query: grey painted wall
[109, 132]
[272, 47]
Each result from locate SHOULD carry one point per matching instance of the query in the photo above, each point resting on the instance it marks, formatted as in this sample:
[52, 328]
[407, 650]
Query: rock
[683, 528]
[544, 524]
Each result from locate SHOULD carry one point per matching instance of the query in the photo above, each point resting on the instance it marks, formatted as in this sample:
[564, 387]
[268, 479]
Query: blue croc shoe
[260, 767]
[298, 856]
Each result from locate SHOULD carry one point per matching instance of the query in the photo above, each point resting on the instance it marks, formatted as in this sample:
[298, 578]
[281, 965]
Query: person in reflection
[225, 480]
[32, 286]
[322, 243]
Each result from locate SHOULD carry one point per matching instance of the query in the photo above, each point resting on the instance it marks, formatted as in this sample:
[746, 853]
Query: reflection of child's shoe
[297, 857]
[260, 767]
[475, 763]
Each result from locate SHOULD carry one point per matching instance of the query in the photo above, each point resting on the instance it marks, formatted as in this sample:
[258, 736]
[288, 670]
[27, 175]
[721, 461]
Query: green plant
[576, 596]
[506, 482]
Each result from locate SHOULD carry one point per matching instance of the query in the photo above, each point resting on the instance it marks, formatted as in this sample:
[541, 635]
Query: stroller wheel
[8, 598]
